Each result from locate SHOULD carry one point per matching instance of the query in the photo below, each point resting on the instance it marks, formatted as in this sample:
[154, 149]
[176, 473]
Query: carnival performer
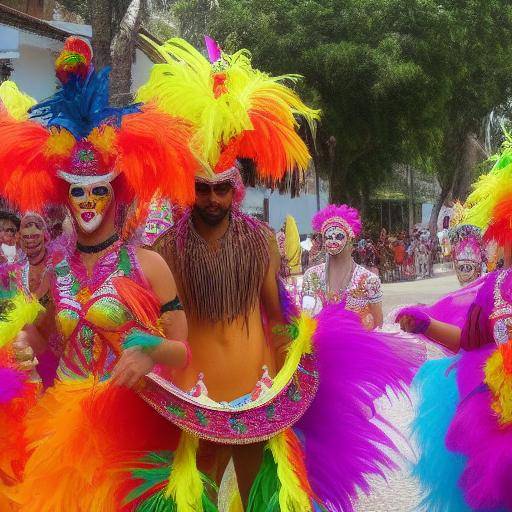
[251, 390]
[467, 252]
[114, 303]
[341, 280]
[464, 421]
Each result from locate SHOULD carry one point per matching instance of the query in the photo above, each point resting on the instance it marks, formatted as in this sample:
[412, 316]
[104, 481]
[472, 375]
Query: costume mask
[335, 240]
[467, 253]
[89, 204]
[33, 235]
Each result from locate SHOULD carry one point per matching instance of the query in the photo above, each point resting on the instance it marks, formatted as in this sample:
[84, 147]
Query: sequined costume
[464, 421]
[91, 315]
[363, 289]
[85, 432]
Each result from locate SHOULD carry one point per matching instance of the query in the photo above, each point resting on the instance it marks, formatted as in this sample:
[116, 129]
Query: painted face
[335, 240]
[32, 232]
[89, 204]
[467, 271]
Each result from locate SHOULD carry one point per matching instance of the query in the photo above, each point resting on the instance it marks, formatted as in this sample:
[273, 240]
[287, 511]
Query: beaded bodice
[501, 316]
[364, 288]
[90, 315]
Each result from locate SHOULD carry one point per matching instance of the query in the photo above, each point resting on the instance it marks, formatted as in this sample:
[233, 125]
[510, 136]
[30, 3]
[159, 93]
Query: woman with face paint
[116, 305]
[463, 425]
[341, 279]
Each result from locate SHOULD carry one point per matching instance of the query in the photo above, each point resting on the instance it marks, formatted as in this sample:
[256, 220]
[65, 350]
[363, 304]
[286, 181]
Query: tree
[115, 26]
[399, 81]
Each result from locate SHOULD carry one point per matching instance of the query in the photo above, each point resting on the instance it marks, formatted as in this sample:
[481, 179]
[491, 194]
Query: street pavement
[399, 492]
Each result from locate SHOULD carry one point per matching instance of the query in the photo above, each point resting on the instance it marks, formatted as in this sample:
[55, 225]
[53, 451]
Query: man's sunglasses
[219, 189]
[12, 231]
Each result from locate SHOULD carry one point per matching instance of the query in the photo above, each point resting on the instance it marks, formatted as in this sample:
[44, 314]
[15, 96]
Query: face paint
[335, 240]
[33, 235]
[467, 271]
[89, 204]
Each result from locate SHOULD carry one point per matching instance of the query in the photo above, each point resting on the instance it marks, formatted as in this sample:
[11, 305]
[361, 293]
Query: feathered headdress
[489, 206]
[238, 111]
[13, 101]
[466, 241]
[142, 150]
[338, 215]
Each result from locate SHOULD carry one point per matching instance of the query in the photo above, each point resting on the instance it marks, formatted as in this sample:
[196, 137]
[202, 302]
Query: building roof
[61, 30]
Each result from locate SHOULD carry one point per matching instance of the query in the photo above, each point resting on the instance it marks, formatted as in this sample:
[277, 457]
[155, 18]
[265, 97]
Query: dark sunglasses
[9, 230]
[219, 189]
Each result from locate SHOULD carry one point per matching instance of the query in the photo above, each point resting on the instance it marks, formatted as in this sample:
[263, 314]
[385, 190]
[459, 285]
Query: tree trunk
[101, 23]
[410, 197]
[472, 153]
[443, 196]
[123, 53]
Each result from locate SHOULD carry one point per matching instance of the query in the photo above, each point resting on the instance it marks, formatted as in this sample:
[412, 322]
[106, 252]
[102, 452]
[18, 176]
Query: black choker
[93, 249]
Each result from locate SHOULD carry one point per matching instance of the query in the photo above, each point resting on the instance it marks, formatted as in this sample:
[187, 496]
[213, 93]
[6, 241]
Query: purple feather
[213, 49]
[342, 445]
[11, 384]
[475, 432]
[288, 307]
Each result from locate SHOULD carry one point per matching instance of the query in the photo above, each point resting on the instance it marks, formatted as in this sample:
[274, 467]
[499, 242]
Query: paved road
[424, 291]
[400, 492]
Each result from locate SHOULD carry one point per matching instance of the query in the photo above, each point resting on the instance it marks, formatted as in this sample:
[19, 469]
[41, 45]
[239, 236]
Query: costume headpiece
[466, 241]
[238, 111]
[141, 150]
[489, 206]
[343, 216]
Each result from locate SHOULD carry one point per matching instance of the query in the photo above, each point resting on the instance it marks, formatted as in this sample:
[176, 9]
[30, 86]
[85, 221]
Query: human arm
[172, 351]
[374, 294]
[415, 320]
[272, 305]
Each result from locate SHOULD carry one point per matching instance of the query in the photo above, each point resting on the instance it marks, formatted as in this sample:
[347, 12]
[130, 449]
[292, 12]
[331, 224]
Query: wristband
[421, 319]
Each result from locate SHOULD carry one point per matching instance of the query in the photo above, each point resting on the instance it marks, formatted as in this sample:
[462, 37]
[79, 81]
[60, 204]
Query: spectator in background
[9, 228]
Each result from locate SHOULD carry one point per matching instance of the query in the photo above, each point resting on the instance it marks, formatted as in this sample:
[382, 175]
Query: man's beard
[211, 218]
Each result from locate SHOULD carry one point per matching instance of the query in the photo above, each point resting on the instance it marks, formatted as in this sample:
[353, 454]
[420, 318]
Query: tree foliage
[398, 80]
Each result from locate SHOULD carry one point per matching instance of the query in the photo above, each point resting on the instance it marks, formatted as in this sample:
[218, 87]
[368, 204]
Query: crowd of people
[393, 257]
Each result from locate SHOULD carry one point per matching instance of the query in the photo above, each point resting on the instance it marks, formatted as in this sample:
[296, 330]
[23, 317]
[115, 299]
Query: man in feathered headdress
[226, 262]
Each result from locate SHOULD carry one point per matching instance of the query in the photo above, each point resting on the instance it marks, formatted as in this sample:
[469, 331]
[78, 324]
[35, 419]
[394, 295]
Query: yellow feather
[300, 345]
[489, 189]
[25, 311]
[292, 498]
[500, 382]
[184, 86]
[60, 143]
[292, 245]
[185, 486]
[16, 102]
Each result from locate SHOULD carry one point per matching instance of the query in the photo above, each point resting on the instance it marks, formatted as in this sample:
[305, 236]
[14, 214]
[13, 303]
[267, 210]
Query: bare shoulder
[152, 263]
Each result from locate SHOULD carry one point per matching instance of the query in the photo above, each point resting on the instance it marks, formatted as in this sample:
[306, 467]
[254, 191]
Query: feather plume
[237, 110]
[16, 103]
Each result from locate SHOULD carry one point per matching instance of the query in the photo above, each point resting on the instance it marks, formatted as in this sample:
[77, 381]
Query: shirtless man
[226, 265]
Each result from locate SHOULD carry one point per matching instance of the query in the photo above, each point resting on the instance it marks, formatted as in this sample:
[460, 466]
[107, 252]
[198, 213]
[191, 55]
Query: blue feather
[437, 469]
[79, 106]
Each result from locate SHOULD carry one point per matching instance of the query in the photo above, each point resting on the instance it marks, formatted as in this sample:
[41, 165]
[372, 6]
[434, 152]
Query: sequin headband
[231, 175]
[338, 222]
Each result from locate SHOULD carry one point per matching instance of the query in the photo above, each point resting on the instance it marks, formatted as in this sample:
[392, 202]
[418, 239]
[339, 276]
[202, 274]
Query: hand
[413, 320]
[23, 352]
[132, 366]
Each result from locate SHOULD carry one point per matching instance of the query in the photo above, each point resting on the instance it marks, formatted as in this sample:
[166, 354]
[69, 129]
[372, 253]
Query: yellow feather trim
[25, 311]
[498, 376]
[60, 143]
[185, 485]
[292, 245]
[301, 345]
[16, 102]
[292, 497]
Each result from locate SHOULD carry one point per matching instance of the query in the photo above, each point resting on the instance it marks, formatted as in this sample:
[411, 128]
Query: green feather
[124, 262]
[264, 495]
